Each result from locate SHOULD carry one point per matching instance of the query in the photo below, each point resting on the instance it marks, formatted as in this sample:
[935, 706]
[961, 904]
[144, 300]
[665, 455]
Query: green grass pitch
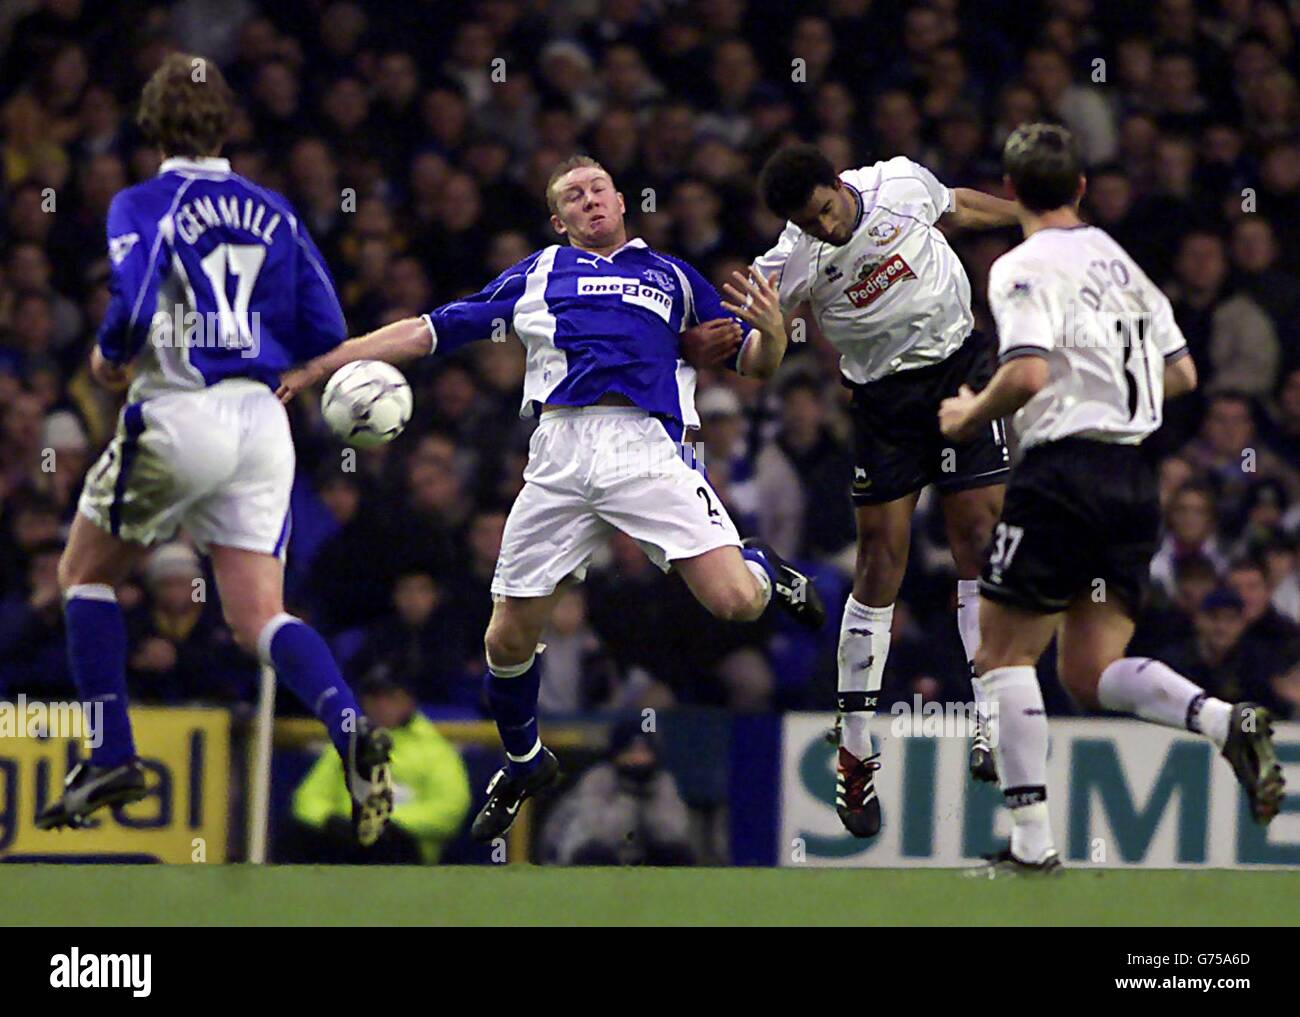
[94, 895]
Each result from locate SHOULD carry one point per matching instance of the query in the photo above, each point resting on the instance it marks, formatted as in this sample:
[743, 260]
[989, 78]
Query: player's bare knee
[247, 621]
[83, 563]
[968, 543]
[968, 537]
[987, 657]
[735, 601]
[245, 640]
[995, 651]
[507, 644]
[242, 638]
[879, 568]
[69, 572]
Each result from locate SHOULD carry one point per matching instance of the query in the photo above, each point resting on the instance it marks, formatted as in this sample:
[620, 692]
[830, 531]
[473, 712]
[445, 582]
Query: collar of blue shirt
[180, 164]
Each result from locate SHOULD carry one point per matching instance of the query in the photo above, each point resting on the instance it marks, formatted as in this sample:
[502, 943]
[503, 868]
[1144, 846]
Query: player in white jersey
[864, 251]
[1089, 351]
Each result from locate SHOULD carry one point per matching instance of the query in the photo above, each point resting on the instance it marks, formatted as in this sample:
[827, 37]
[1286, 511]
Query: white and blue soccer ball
[366, 403]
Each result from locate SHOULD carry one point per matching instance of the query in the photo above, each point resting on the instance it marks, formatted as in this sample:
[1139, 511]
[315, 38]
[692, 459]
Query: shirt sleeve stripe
[1023, 350]
[428, 320]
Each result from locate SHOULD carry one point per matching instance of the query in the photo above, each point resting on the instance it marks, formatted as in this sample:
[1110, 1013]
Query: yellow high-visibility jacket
[431, 787]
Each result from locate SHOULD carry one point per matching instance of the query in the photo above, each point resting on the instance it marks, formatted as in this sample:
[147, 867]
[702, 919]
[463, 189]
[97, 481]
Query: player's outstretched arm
[975, 210]
[485, 314]
[393, 344]
[1016, 382]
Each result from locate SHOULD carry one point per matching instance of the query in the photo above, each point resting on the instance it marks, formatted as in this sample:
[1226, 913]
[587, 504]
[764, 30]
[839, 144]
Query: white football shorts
[593, 470]
[218, 461]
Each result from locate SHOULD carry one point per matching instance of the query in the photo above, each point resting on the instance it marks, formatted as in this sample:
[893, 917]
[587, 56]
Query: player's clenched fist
[955, 415]
[711, 342]
[113, 377]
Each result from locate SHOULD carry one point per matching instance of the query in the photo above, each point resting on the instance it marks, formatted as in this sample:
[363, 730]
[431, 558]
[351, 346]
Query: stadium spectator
[28, 270]
[1080, 107]
[820, 460]
[756, 481]
[1231, 338]
[1262, 518]
[21, 430]
[1170, 619]
[627, 603]
[179, 649]
[625, 810]
[351, 573]
[1283, 423]
[1228, 454]
[32, 658]
[1190, 528]
[1255, 258]
[577, 673]
[432, 791]
[1221, 660]
[1277, 636]
[422, 645]
[1283, 571]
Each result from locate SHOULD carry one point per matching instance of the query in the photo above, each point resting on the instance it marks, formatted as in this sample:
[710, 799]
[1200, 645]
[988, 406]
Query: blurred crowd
[415, 138]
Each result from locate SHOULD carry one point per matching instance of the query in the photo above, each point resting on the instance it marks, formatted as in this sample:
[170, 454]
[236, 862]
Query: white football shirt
[1075, 297]
[893, 298]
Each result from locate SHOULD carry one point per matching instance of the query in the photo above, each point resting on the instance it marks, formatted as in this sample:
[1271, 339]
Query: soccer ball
[366, 403]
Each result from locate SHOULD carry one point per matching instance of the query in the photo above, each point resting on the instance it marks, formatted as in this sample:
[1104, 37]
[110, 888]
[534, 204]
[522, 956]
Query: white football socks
[968, 616]
[864, 645]
[764, 580]
[1021, 735]
[968, 626]
[1156, 692]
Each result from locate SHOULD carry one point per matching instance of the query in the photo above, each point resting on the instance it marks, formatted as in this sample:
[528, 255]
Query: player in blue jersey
[216, 289]
[604, 320]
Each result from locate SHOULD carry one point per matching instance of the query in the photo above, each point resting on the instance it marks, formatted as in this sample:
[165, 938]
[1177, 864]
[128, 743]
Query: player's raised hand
[754, 299]
[955, 415]
[710, 342]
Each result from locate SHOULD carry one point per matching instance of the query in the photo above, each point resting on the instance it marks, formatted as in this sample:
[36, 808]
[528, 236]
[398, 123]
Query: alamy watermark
[652, 458]
[23, 718]
[919, 719]
[184, 328]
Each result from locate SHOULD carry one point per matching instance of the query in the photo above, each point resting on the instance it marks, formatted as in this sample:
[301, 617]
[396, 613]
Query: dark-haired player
[863, 249]
[1089, 352]
[216, 289]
